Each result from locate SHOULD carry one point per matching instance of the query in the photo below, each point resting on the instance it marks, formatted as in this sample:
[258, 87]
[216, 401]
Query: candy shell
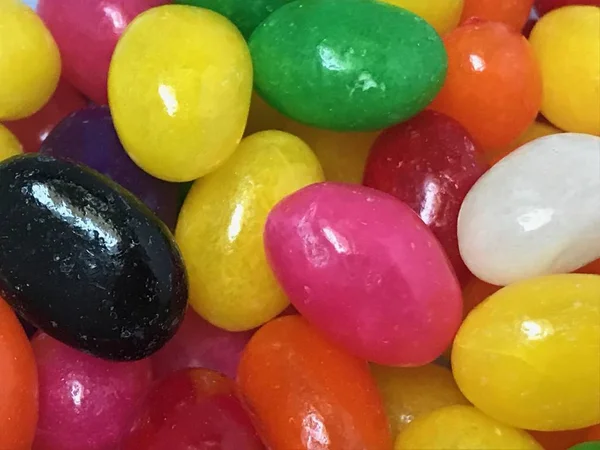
[9, 144]
[443, 15]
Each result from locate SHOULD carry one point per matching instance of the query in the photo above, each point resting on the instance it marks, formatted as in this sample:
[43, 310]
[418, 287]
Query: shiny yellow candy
[220, 229]
[9, 144]
[409, 393]
[179, 90]
[536, 130]
[443, 15]
[462, 427]
[29, 62]
[567, 45]
[529, 355]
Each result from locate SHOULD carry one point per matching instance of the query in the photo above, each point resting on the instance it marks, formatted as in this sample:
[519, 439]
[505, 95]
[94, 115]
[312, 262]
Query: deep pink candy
[364, 269]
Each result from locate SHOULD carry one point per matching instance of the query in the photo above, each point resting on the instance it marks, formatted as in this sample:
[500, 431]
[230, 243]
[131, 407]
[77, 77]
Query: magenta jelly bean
[362, 267]
[86, 403]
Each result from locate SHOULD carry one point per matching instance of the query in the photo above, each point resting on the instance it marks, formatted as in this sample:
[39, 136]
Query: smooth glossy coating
[198, 344]
[29, 61]
[461, 427]
[595, 445]
[86, 33]
[221, 224]
[517, 221]
[566, 43]
[545, 6]
[409, 393]
[88, 136]
[180, 105]
[32, 130]
[594, 433]
[86, 403]
[513, 13]
[19, 385]
[192, 409]
[366, 271]
[529, 355]
[85, 261]
[371, 67]
[9, 144]
[305, 393]
[537, 129]
[493, 86]
[443, 15]
[430, 163]
[559, 440]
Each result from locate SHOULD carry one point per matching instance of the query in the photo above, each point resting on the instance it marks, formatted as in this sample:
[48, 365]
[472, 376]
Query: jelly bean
[9, 144]
[221, 223]
[86, 34]
[594, 433]
[493, 87]
[32, 130]
[594, 445]
[89, 137]
[19, 386]
[536, 130]
[545, 6]
[462, 427]
[180, 105]
[513, 13]
[197, 343]
[86, 403]
[514, 224]
[529, 355]
[347, 64]
[409, 393]
[305, 393]
[430, 163]
[591, 268]
[83, 260]
[559, 440]
[442, 15]
[357, 263]
[29, 62]
[567, 46]
[193, 409]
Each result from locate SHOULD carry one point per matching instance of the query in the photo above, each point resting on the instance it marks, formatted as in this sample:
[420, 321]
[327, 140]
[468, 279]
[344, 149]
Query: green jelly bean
[347, 65]
[592, 445]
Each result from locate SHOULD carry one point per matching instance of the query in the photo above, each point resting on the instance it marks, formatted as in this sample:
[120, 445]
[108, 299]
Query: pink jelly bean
[85, 403]
[200, 344]
[363, 268]
[86, 33]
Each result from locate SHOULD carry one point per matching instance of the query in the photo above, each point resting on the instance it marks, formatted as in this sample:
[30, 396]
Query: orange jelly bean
[559, 440]
[18, 384]
[513, 13]
[493, 88]
[304, 393]
[594, 433]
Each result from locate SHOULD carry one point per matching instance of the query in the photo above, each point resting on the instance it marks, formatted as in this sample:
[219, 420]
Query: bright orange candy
[559, 440]
[18, 384]
[305, 393]
[536, 130]
[493, 88]
[513, 13]
[594, 433]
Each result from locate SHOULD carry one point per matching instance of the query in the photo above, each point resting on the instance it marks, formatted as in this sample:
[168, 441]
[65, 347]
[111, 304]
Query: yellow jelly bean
[409, 393]
[462, 427]
[179, 90]
[29, 62]
[443, 15]
[9, 144]
[567, 45]
[529, 355]
[220, 229]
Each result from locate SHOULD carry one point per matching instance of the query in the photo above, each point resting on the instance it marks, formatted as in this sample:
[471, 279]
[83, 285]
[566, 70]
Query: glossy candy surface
[513, 13]
[180, 105]
[594, 445]
[537, 129]
[493, 86]
[9, 144]
[462, 427]
[86, 262]
[545, 6]
[193, 409]
[529, 355]
[566, 43]
[221, 224]
[443, 15]
[29, 61]
[515, 223]
[559, 440]
[86, 403]
[371, 67]
[86, 33]
[305, 393]
[358, 264]
[89, 137]
[19, 386]
[430, 163]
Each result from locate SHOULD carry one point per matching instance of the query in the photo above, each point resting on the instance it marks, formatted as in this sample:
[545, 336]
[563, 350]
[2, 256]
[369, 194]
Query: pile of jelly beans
[300, 225]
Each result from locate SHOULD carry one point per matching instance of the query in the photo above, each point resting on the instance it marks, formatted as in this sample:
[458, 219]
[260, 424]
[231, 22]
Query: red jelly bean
[513, 13]
[545, 6]
[430, 163]
[86, 403]
[193, 409]
[18, 384]
[305, 393]
[86, 33]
